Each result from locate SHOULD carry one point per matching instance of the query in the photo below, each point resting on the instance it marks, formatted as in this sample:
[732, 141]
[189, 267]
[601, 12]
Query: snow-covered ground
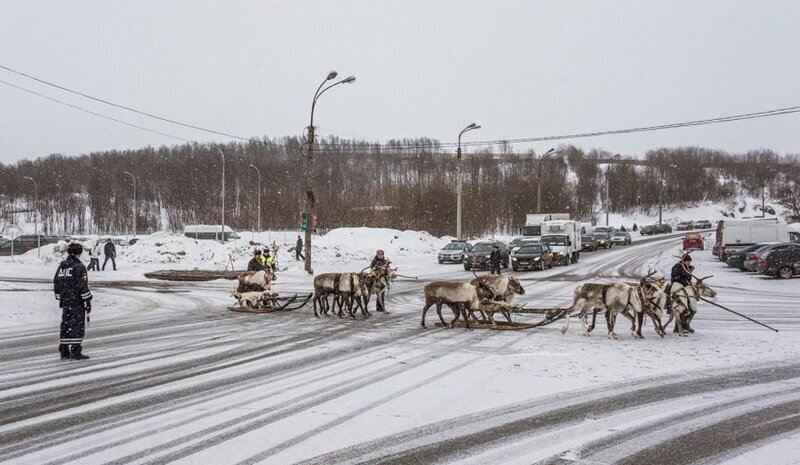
[176, 377]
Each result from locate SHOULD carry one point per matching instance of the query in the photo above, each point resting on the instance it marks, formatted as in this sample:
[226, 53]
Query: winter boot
[64, 350]
[76, 353]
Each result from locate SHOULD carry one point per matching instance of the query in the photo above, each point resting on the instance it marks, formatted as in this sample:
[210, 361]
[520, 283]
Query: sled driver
[380, 260]
[256, 263]
[682, 273]
[71, 287]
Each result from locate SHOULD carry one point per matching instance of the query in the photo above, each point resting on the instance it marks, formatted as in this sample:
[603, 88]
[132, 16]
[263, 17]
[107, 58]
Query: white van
[734, 235]
[212, 232]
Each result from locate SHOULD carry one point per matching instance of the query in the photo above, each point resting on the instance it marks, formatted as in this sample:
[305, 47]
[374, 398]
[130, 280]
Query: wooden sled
[276, 304]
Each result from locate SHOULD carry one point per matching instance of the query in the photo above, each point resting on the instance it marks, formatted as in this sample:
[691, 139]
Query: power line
[106, 102]
[701, 122]
[92, 112]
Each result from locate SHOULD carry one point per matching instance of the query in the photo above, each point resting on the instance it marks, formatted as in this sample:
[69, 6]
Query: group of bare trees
[406, 184]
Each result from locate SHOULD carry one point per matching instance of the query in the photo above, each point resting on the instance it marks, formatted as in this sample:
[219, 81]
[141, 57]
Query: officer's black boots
[63, 349]
[72, 352]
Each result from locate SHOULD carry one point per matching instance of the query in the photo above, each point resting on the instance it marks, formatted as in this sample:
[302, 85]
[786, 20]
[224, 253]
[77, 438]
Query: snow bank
[164, 247]
[361, 243]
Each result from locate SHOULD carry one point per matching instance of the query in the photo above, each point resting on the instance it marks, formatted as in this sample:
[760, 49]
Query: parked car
[648, 230]
[133, 241]
[532, 257]
[22, 244]
[453, 252]
[782, 263]
[603, 238]
[736, 259]
[693, 241]
[621, 237]
[702, 224]
[753, 258]
[478, 255]
[119, 242]
[519, 241]
[752, 261]
[684, 226]
[589, 243]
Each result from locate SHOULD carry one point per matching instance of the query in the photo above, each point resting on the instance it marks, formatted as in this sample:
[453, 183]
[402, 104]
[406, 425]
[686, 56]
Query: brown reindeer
[459, 296]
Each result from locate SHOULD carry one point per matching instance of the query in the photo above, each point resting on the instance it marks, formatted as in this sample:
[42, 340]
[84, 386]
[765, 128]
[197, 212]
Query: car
[453, 252]
[649, 230]
[603, 238]
[693, 241]
[589, 243]
[736, 259]
[664, 228]
[752, 261]
[702, 224]
[22, 244]
[621, 237]
[684, 226]
[119, 242]
[133, 241]
[532, 257]
[782, 263]
[519, 241]
[477, 257]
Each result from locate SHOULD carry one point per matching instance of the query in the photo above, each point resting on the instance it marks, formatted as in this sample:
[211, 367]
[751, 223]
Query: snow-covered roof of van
[204, 228]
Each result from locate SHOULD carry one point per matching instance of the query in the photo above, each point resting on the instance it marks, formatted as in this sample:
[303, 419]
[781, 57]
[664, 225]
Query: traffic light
[303, 221]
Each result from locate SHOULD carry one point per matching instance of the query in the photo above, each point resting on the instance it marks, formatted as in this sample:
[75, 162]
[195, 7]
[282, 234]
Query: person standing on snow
[494, 260]
[298, 249]
[380, 260]
[94, 257]
[682, 273]
[71, 287]
[110, 250]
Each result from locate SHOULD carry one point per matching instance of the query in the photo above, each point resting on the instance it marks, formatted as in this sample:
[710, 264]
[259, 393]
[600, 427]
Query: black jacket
[299, 244]
[71, 283]
[679, 275]
[110, 250]
[379, 262]
[495, 257]
[255, 265]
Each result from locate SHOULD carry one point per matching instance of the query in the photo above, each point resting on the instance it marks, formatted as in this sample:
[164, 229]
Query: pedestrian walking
[94, 256]
[71, 287]
[298, 249]
[110, 251]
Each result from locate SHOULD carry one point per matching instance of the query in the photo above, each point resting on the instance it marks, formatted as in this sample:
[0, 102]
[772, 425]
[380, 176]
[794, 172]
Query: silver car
[621, 237]
[753, 258]
[453, 252]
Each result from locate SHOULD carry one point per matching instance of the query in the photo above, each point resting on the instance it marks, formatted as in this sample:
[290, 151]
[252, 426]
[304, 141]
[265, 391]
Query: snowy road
[182, 380]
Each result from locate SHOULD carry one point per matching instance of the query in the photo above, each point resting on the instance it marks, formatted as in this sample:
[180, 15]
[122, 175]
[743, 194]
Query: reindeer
[684, 300]
[377, 281]
[502, 289]
[348, 293]
[459, 296]
[653, 298]
[251, 281]
[252, 299]
[326, 284]
[592, 297]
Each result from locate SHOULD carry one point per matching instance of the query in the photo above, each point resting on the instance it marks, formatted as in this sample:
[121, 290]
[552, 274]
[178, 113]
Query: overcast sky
[423, 68]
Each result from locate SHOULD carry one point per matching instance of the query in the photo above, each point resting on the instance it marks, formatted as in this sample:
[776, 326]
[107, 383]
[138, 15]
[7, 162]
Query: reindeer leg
[656, 324]
[669, 320]
[638, 332]
[439, 312]
[314, 301]
[582, 318]
[463, 309]
[425, 310]
[565, 326]
[594, 319]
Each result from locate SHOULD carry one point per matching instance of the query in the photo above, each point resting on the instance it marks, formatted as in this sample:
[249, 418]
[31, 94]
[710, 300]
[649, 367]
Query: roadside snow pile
[163, 247]
[50, 253]
[361, 243]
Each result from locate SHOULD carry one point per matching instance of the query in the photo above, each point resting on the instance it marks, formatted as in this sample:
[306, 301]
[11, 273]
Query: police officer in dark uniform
[494, 260]
[682, 273]
[71, 286]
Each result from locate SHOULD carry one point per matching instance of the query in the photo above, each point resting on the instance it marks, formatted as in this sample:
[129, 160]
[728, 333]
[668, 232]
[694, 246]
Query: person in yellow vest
[270, 261]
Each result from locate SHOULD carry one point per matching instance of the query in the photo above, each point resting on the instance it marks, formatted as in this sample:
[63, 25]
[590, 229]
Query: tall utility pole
[471, 127]
[310, 202]
[135, 210]
[222, 221]
[663, 169]
[539, 180]
[615, 157]
[259, 195]
[35, 217]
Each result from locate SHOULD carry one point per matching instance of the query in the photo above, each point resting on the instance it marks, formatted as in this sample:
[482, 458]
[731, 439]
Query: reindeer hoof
[586, 333]
[563, 331]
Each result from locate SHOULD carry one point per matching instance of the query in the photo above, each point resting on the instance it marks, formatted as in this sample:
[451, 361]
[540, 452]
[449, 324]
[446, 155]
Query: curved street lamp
[470, 127]
[259, 195]
[222, 221]
[310, 203]
[135, 210]
[36, 216]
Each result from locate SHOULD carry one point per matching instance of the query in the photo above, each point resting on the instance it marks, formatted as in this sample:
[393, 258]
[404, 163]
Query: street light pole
[471, 127]
[539, 180]
[310, 202]
[661, 190]
[35, 216]
[259, 195]
[615, 157]
[135, 210]
[222, 224]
